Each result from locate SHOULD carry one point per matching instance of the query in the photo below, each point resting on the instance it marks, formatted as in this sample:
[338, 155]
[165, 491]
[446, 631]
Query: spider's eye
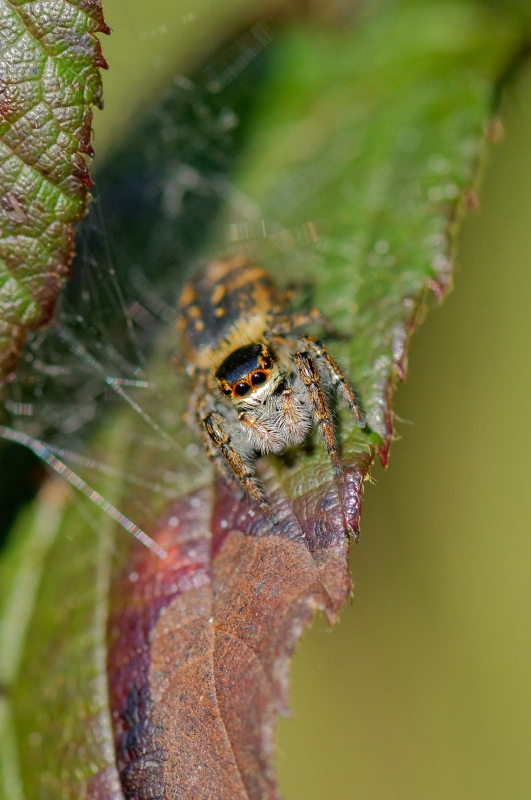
[241, 389]
[266, 362]
[258, 378]
[226, 390]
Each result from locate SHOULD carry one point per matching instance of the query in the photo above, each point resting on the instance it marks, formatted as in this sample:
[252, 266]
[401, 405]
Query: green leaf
[50, 81]
[358, 164]
[352, 182]
[55, 584]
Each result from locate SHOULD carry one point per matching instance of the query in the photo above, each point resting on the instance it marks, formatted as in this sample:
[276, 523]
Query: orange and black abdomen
[227, 296]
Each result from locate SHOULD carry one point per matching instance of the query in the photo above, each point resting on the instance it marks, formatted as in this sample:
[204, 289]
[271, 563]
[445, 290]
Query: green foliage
[50, 81]
[352, 178]
[358, 162]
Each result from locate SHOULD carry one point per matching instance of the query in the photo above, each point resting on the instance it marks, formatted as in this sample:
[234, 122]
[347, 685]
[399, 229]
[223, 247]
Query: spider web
[156, 199]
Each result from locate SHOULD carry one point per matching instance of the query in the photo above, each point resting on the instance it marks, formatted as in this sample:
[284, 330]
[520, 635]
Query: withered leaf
[200, 644]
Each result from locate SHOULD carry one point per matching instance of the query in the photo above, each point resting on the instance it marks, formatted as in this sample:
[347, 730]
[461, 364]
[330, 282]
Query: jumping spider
[260, 383]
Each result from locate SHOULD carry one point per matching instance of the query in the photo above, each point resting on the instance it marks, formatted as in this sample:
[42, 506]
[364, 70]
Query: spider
[260, 382]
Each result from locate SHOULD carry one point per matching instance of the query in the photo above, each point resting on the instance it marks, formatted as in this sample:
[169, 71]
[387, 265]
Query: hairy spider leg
[313, 383]
[337, 376]
[291, 418]
[212, 423]
[300, 319]
[212, 451]
[269, 439]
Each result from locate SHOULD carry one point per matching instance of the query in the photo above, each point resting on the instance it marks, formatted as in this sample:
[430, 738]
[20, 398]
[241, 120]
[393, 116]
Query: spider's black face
[245, 370]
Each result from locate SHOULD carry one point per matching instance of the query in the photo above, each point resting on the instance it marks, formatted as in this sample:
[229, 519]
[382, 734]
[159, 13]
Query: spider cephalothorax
[261, 384]
[246, 372]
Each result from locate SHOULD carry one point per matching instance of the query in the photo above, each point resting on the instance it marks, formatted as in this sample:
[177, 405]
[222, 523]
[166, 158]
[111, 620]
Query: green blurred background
[423, 690]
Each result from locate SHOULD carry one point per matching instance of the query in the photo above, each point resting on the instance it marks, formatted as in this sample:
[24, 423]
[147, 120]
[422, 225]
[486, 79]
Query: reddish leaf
[199, 655]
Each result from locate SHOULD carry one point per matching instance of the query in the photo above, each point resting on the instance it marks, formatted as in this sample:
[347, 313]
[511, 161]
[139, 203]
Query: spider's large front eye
[258, 378]
[241, 389]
